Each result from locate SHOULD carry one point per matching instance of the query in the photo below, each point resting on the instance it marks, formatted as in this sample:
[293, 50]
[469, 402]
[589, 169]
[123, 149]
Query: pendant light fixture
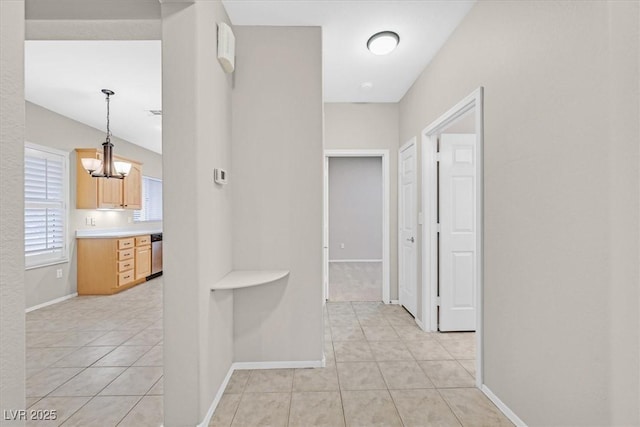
[106, 168]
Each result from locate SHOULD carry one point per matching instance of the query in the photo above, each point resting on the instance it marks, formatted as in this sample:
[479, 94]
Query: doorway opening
[452, 203]
[356, 225]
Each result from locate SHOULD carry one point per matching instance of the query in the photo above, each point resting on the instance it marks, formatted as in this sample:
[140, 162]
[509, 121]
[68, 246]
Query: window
[45, 206]
[151, 200]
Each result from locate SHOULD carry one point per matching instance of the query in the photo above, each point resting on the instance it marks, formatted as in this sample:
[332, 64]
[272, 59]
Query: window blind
[151, 201]
[45, 216]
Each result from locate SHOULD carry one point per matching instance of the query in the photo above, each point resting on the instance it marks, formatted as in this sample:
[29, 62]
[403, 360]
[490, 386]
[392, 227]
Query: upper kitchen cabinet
[102, 193]
[132, 187]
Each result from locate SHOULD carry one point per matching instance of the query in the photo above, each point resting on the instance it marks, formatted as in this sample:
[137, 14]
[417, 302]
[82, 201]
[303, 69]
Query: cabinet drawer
[125, 254]
[143, 240]
[125, 243]
[125, 278]
[125, 265]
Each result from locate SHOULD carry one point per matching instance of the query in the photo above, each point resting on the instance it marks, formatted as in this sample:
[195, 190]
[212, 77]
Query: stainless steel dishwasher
[156, 256]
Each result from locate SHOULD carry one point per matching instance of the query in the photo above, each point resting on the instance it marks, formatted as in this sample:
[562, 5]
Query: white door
[407, 225]
[458, 261]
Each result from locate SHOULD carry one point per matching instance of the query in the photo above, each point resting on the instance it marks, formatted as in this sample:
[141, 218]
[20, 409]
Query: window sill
[48, 264]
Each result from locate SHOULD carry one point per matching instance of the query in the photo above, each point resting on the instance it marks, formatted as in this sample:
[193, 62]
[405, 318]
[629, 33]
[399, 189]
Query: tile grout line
[130, 409]
[293, 374]
[449, 406]
[335, 360]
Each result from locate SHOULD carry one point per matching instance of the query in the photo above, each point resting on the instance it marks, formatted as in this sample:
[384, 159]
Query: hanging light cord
[108, 130]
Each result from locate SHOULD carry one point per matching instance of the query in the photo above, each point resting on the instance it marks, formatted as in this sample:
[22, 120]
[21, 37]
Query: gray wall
[355, 208]
[277, 186]
[561, 193]
[12, 318]
[198, 334]
[370, 126]
[47, 128]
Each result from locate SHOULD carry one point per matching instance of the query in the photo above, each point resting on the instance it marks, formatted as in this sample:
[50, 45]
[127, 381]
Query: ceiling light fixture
[106, 168]
[383, 43]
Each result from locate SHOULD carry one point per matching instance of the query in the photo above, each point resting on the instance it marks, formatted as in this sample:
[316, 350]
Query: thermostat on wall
[220, 176]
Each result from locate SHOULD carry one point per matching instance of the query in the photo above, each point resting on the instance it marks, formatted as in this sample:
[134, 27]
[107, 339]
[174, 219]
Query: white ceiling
[67, 76]
[423, 27]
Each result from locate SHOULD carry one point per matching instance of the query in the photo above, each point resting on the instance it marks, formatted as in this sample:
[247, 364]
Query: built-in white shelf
[237, 279]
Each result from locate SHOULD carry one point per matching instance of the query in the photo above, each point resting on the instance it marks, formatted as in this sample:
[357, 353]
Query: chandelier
[106, 168]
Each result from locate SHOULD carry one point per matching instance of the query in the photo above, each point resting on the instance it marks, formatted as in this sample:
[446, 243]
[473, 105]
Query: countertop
[109, 233]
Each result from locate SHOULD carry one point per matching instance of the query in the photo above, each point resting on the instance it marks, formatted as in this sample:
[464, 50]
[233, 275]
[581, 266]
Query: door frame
[413, 141]
[384, 155]
[429, 208]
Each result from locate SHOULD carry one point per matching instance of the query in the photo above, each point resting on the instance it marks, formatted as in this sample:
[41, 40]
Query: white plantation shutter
[45, 210]
[151, 200]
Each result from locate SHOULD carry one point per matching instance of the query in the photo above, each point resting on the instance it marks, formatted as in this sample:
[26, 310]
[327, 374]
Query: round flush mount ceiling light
[383, 43]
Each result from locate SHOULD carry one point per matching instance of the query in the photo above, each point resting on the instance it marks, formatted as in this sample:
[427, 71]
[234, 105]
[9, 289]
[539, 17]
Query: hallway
[381, 370]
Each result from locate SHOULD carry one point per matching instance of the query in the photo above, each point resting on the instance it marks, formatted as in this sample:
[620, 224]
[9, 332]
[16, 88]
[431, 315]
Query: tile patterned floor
[355, 281]
[98, 360]
[382, 370]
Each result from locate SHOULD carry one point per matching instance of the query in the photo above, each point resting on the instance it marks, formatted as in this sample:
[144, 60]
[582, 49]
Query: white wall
[370, 126]
[355, 208]
[277, 186]
[47, 128]
[12, 318]
[198, 335]
[561, 200]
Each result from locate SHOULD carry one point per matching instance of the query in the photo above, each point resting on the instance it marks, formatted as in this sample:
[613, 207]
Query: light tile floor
[97, 360]
[382, 370]
[355, 281]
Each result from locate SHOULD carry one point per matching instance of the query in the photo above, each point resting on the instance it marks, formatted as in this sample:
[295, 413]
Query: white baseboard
[355, 260]
[504, 408]
[255, 365]
[278, 365]
[420, 324]
[216, 399]
[394, 301]
[53, 301]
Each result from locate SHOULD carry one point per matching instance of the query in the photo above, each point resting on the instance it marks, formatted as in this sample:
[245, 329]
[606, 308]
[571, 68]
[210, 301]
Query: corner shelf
[238, 279]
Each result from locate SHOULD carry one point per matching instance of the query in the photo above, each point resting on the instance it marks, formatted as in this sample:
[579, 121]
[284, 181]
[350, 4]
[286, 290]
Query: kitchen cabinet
[102, 193]
[107, 266]
[143, 257]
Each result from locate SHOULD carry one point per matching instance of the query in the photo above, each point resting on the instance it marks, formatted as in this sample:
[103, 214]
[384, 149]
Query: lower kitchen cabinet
[143, 257]
[107, 266]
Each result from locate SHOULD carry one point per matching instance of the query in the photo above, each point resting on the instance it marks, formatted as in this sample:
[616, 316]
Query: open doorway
[93, 291]
[452, 232]
[356, 225]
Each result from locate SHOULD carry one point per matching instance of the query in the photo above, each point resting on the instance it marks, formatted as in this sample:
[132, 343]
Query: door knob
[411, 240]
